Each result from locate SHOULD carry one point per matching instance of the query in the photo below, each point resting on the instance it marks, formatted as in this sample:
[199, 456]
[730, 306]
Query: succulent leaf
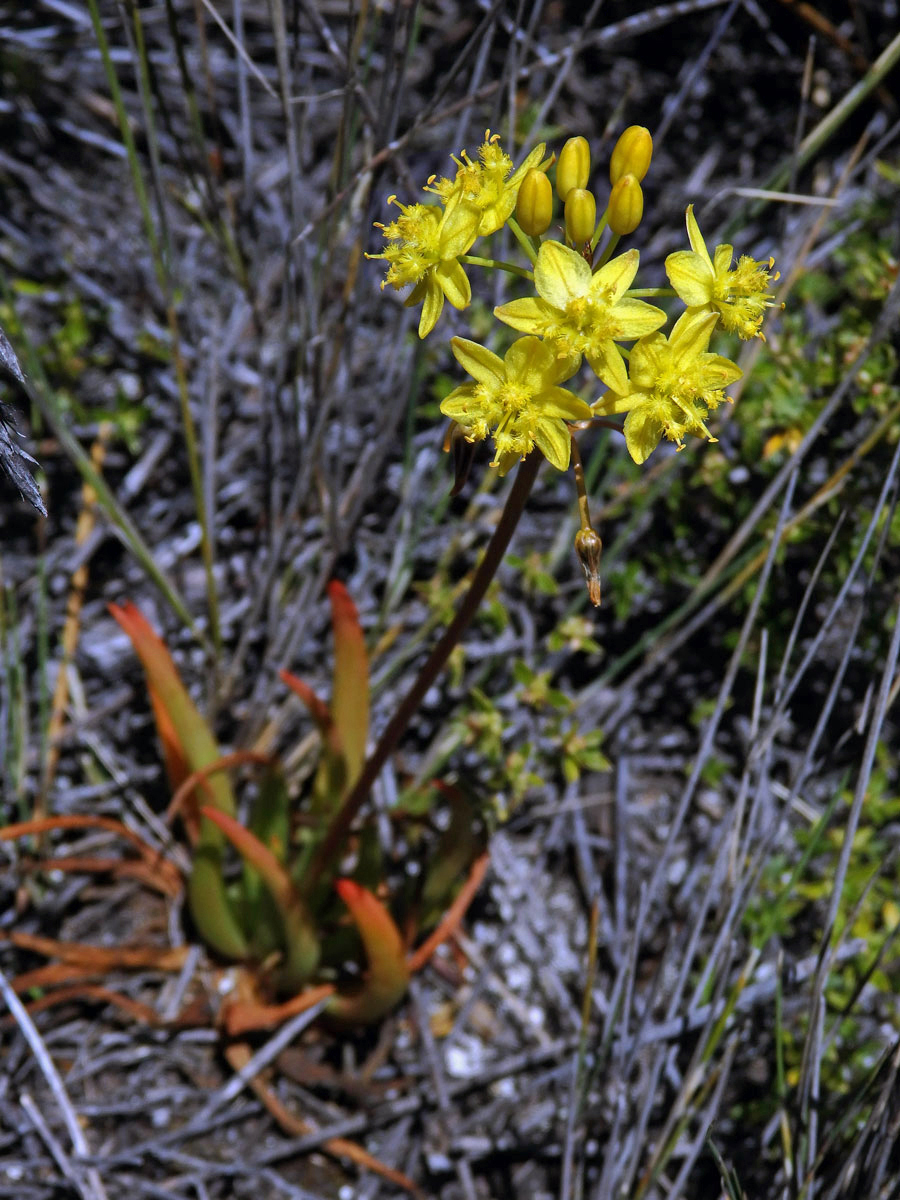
[301, 944]
[388, 976]
[188, 741]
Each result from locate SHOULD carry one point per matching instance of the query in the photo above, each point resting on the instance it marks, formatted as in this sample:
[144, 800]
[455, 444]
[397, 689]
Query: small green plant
[285, 914]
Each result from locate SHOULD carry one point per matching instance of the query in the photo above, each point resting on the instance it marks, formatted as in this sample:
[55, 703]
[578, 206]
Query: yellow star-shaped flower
[671, 386]
[517, 399]
[490, 184]
[579, 312]
[740, 296]
[423, 248]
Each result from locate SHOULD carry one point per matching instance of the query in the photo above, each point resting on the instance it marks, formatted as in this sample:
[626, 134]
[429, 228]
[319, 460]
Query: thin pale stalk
[496, 264]
[164, 279]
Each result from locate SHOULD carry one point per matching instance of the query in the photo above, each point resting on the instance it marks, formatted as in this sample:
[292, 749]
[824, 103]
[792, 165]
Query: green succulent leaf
[388, 975]
[350, 696]
[189, 745]
[301, 943]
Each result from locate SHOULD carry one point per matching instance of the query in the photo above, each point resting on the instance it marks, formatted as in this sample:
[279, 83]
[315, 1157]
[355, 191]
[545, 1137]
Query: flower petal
[560, 402]
[504, 461]
[532, 160]
[691, 275]
[690, 336]
[614, 402]
[723, 259]
[617, 276]
[481, 363]
[635, 318]
[530, 315]
[531, 364]
[560, 274]
[563, 366]
[648, 361]
[459, 227]
[718, 372]
[695, 236]
[459, 403]
[643, 429]
[607, 364]
[453, 283]
[431, 309]
[553, 440]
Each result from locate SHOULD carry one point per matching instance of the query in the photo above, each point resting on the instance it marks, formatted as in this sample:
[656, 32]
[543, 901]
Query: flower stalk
[340, 827]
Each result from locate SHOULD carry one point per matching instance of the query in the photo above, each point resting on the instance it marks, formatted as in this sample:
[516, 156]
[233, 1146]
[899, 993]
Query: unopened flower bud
[573, 166]
[534, 206]
[626, 205]
[588, 547]
[581, 216]
[631, 154]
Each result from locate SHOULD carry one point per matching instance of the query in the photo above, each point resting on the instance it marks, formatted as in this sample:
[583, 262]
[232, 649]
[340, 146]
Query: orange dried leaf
[318, 709]
[453, 916]
[238, 1056]
[100, 958]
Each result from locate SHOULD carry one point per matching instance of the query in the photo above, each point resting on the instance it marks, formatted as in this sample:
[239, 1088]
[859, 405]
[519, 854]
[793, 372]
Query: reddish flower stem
[434, 664]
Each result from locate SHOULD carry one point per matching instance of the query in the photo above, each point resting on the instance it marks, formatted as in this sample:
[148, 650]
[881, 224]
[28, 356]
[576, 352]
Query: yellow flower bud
[631, 154]
[573, 166]
[581, 216]
[534, 206]
[626, 205]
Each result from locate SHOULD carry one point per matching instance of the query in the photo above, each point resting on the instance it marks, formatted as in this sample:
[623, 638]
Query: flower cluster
[579, 306]
[582, 307]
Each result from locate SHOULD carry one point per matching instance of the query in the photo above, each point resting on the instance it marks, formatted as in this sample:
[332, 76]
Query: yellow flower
[578, 312]
[424, 244]
[674, 384]
[740, 296]
[490, 184]
[517, 398]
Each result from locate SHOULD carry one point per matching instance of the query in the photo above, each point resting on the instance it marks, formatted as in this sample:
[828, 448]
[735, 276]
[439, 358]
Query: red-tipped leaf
[350, 696]
[387, 978]
[188, 742]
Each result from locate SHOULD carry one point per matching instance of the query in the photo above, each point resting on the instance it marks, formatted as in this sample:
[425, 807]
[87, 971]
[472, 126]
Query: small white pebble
[677, 872]
[518, 977]
[507, 955]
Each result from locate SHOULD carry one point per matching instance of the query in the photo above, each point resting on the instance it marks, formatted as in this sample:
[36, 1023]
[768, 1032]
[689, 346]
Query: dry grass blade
[89, 1183]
